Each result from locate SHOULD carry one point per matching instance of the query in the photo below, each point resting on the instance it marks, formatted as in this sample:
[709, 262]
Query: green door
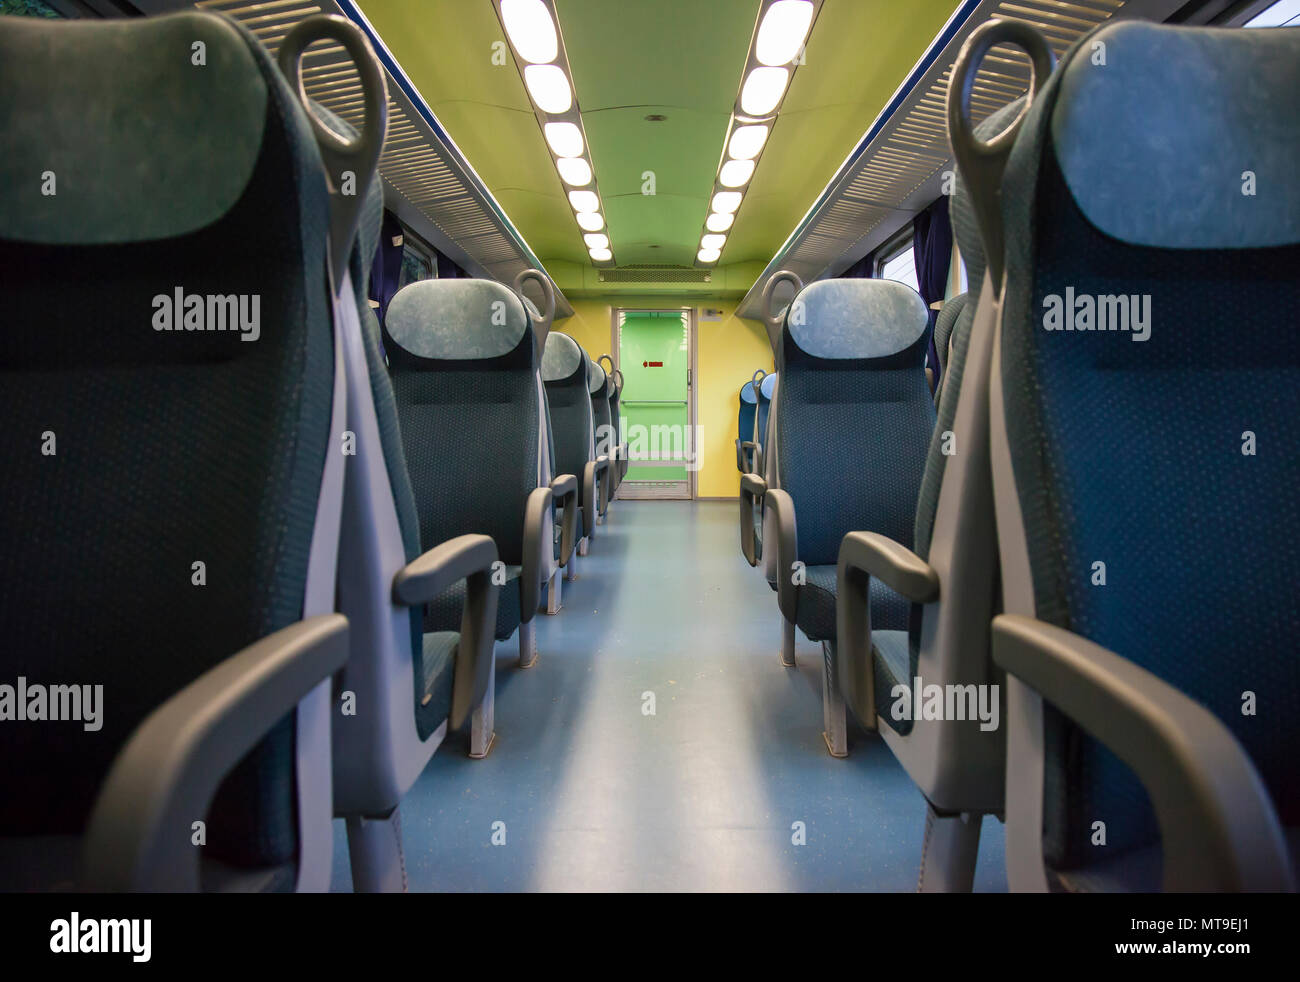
[655, 358]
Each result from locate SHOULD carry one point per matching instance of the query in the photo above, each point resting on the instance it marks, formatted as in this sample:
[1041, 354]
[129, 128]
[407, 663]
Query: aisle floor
[598, 795]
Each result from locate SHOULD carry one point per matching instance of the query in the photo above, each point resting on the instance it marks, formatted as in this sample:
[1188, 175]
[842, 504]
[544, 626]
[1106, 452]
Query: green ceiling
[677, 58]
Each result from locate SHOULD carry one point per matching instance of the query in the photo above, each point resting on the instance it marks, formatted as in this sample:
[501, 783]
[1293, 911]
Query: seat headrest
[456, 320]
[747, 393]
[768, 385]
[1186, 138]
[855, 319]
[596, 380]
[103, 114]
[962, 211]
[562, 357]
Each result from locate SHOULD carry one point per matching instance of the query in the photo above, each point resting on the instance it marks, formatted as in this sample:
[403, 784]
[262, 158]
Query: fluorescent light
[719, 223]
[591, 221]
[565, 139]
[575, 171]
[550, 90]
[584, 201]
[601, 255]
[736, 173]
[726, 202]
[596, 241]
[761, 93]
[531, 30]
[747, 141]
[709, 255]
[782, 33]
[713, 242]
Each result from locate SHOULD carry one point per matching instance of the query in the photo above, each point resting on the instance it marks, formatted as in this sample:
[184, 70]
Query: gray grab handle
[982, 163]
[359, 155]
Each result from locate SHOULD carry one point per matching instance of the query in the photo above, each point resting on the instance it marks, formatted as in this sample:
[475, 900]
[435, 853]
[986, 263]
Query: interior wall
[728, 352]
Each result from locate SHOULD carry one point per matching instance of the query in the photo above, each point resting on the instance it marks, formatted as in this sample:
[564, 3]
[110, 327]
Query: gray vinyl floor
[587, 790]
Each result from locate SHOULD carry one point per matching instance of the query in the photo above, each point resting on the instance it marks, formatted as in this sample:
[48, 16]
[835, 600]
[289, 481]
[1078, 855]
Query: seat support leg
[528, 644]
[482, 721]
[571, 570]
[583, 546]
[836, 732]
[554, 591]
[787, 643]
[952, 843]
[375, 851]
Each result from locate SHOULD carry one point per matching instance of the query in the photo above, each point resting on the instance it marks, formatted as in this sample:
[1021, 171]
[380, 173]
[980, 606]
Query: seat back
[462, 359]
[762, 412]
[170, 492]
[745, 423]
[599, 386]
[1145, 402]
[852, 389]
[566, 371]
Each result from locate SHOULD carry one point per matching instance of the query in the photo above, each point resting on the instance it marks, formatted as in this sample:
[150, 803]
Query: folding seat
[566, 372]
[950, 573]
[172, 491]
[745, 423]
[850, 423]
[1145, 474]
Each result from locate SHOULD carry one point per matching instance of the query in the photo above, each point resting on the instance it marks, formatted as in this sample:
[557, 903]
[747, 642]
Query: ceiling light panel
[535, 37]
[776, 50]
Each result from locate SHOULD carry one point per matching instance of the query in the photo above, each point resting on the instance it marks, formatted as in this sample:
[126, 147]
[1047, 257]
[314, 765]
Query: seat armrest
[564, 489]
[592, 474]
[753, 490]
[164, 779]
[745, 456]
[538, 554]
[470, 558]
[862, 556]
[1218, 829]
[787, 550]
[603, 469]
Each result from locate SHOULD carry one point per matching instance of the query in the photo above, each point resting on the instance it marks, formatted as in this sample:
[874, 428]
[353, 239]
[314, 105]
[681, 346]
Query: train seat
[605, 436]
[566, 371]
[950, 573]
[1144, 475]
[851, 422]
[745, 424]
[462, 359]
[171, 525]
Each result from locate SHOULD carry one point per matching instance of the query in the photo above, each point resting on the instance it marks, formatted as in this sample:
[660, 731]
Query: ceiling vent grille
[415, 163]
[655, 274]
[899, 171]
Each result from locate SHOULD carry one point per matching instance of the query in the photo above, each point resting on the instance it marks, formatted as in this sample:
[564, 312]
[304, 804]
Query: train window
[1284, 13]
[898, 261]
[416, 265]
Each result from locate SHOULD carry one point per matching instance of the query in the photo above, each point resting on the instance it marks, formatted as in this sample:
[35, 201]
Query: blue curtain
[863, 269]
[932, 251]
[386, 270]
[447, 267]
